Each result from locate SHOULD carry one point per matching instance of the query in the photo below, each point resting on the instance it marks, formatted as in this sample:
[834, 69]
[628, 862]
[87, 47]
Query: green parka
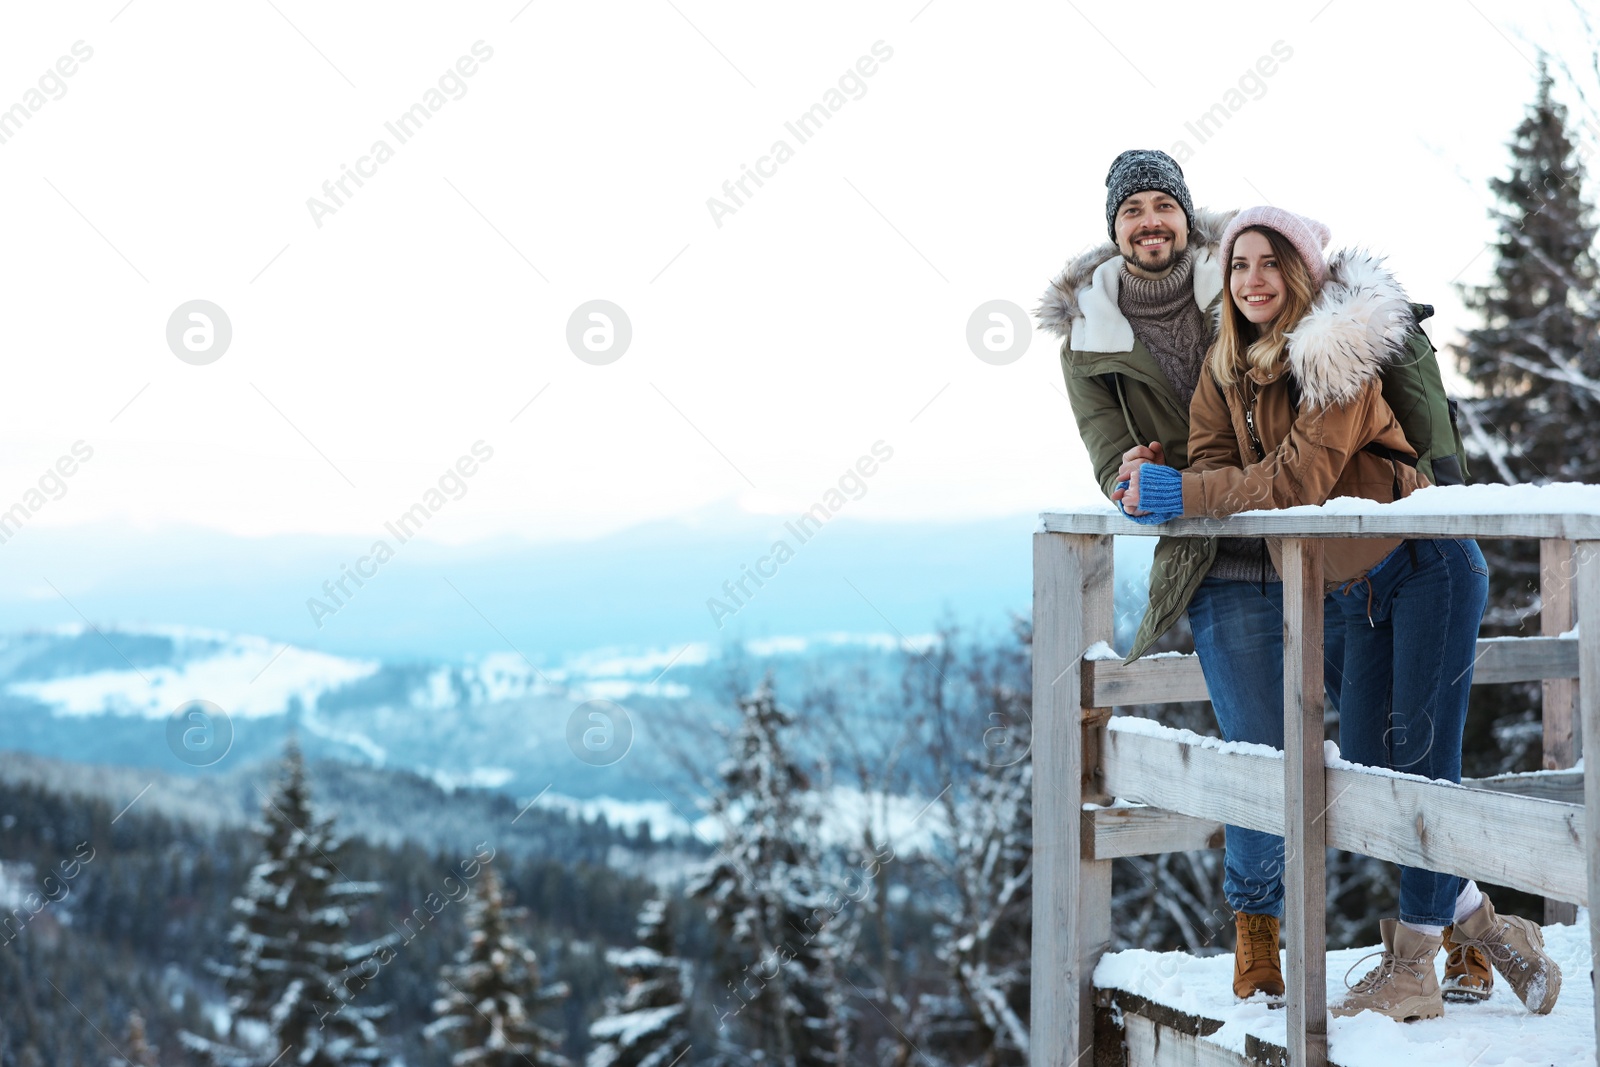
[1121, 398]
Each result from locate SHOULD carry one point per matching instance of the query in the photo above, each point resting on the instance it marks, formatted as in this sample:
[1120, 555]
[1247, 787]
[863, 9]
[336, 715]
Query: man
[1136, 320]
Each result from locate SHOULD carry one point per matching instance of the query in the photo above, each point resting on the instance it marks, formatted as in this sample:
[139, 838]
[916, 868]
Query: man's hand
[1140, 454]
[1132, 460]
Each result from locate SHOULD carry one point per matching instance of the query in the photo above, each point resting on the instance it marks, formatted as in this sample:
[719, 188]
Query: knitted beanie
[1308, 236]
[1139, 169]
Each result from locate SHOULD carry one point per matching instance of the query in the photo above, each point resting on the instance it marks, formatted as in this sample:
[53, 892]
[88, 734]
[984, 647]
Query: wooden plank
[1524, 659]
[1150, 1044]
[1092, 940]
[1116, 833]
[1556, 617]
[1564, 787]
[1092, 932]
[1380, 521]
[1172, 679]
[1072, 578]
[1560, 707]
[1305, 837]
[1537, 845]
[1164, 1036]
[1094, 721]
[1151, 680]
[1587, 560]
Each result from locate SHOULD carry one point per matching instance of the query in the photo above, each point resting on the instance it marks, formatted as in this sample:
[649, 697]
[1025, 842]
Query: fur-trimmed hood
[1357, 325]
[1063, 302]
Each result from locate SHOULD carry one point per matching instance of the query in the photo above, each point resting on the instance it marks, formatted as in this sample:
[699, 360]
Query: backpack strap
[1383, 452]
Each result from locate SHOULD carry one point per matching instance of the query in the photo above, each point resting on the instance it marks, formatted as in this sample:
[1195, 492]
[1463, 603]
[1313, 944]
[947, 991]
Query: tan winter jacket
[1337, 353]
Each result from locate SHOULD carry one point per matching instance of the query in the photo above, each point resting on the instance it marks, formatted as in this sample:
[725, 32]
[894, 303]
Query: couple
[1223, 363]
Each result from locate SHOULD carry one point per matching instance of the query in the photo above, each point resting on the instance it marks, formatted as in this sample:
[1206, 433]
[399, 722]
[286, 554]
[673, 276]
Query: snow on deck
[1499, 1032]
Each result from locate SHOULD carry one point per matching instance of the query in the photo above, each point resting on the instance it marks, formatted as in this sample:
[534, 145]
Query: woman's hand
[1130, 495]
[1132, 460]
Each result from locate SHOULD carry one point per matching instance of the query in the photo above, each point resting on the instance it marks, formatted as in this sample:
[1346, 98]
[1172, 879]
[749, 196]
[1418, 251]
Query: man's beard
[1156, 261]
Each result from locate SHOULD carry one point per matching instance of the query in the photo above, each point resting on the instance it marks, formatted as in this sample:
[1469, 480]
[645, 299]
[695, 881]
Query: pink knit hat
[1308, 236]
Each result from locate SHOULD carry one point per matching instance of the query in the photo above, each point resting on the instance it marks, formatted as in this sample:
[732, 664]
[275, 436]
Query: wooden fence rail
[1500, 838]
[1169, 679]
[1527, 832]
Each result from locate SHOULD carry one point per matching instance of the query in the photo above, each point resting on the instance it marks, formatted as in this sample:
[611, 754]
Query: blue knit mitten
[1160, 494]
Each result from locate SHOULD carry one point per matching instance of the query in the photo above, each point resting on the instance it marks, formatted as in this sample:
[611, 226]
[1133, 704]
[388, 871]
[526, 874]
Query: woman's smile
[1254, 279]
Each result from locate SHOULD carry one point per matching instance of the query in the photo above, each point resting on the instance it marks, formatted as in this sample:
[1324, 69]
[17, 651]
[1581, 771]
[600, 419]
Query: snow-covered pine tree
[294, 981]
[766, 897]
[1535, 363]
[1535, 356]
[648, 1025]
[490, 995]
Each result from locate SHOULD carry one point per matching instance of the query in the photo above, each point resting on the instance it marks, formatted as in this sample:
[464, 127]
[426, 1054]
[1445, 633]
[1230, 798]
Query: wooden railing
[1526, 832]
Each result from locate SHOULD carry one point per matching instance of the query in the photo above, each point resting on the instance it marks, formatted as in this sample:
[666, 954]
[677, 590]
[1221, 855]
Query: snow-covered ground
[1497, 1033]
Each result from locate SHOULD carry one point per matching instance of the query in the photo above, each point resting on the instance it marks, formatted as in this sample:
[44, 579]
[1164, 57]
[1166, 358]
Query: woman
[1293, 413]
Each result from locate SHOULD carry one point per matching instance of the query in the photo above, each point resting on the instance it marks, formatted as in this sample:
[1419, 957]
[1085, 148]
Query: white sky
[767, 355]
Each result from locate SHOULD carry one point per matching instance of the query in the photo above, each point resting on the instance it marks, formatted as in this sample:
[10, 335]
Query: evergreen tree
[1535, 356]
[765, 896]
[293, 984]
[1535, 365]
[493, 990]
[648, 1025]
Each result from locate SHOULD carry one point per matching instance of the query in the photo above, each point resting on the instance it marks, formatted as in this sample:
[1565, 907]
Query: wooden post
[1305, 803]
[1556, 582]
[1072, 582]
[1588, 582]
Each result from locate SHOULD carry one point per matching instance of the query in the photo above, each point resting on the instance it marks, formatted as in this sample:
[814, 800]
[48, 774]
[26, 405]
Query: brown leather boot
[1515, 946]
[1403, 985]
[1255, 956]
[1467, 977]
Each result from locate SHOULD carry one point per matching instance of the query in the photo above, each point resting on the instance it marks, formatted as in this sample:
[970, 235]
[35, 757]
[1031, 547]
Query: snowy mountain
[495, 721]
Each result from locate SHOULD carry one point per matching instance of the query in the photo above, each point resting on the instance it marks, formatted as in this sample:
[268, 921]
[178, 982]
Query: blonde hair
[1240, 343]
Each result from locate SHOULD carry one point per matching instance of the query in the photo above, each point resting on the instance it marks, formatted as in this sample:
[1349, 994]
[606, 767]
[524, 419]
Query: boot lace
[1382, 974]
[1261, 944]
[1496, 950]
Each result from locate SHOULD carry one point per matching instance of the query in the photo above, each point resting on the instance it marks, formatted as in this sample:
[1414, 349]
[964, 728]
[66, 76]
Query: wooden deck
[1176, 1010]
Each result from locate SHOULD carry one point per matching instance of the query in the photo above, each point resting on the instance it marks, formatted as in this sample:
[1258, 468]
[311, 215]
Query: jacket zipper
[1261, 454]
[1250, 425]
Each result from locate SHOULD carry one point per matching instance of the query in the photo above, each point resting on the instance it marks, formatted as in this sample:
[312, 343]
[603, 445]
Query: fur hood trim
[1063, 301]
[1357, 325]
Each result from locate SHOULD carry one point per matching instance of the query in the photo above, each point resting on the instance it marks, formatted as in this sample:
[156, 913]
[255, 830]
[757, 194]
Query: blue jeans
[1238, 635]
[1411, 632]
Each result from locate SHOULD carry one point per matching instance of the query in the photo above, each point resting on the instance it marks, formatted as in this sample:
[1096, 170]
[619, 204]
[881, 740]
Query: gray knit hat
[1139, 169]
